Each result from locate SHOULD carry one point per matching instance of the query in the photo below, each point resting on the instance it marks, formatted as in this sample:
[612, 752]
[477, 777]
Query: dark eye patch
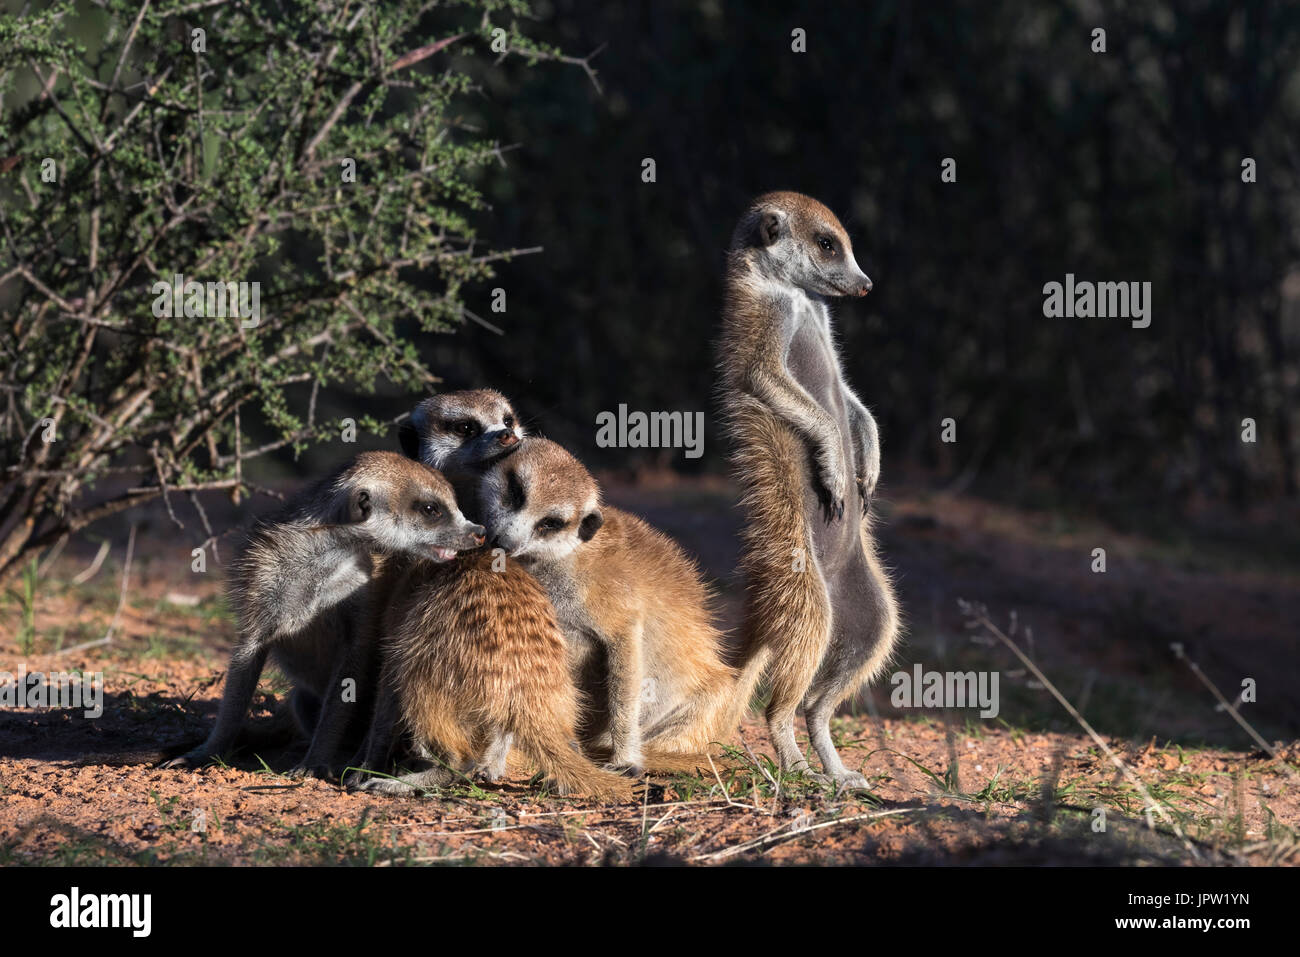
[514, 498]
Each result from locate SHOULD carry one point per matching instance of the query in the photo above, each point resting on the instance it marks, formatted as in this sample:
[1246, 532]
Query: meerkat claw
[851, 781]
[191, 761]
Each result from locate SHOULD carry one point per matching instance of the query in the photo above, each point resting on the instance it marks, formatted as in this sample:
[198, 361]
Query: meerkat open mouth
[444, 554]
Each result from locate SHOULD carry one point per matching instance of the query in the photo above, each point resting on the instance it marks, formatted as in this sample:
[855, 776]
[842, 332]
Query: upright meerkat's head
[539, 504]
[793, 238]
[398, 505]
[456, 431]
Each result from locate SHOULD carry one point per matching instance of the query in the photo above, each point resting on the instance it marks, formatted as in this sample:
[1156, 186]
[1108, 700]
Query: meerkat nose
[864, 287]
[508, 438]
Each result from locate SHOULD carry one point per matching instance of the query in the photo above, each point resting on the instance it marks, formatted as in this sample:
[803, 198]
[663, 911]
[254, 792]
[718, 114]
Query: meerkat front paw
[191, 761]
[354, 779]
[867, 490]
[869, 476]
[319, 771]
[834, 483]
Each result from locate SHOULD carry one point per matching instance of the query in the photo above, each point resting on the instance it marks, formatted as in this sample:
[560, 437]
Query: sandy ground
[1027, 787]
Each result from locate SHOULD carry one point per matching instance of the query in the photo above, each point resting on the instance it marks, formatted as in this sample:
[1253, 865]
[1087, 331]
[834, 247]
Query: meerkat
[476, 662]
[820, 607]
[455, 433]
[458, 433]
[295, 571]
[643, 643]
[461, 433]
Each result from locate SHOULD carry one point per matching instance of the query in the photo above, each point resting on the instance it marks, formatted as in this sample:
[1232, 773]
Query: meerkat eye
[508, 421]
[549, 525]
[826, 243]
[430, 509]
[467, 428]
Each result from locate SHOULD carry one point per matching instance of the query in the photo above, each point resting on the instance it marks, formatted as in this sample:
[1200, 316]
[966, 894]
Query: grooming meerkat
[820, 607]
[295, 573]
[461, 431]
[475, 661]
[632, 604]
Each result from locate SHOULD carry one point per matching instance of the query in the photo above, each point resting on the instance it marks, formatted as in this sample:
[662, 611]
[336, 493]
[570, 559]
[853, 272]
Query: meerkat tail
[746, 686]
[122, 759]
[791, 617]
[659, 762]
[571, 771]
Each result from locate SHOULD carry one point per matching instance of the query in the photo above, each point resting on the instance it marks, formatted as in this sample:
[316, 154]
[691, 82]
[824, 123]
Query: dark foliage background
[1117, 166]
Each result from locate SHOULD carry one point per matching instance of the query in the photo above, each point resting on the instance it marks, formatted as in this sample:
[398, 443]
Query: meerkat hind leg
[866, 634]
[491, 767]
[817, 715]
[850, 658]
[336, 714]
[790, 759]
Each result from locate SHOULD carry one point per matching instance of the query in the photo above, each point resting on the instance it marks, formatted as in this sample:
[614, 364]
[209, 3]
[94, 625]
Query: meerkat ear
[590, 525]
[359, 507]
[771, 226]
[410, 440]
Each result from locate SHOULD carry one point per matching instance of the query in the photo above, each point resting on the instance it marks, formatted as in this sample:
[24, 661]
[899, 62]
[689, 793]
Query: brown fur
[638, 616]
[475, 653]
[636, 581]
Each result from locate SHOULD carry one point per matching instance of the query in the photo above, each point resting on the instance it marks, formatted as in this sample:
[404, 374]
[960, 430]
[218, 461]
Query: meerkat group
[582, 639]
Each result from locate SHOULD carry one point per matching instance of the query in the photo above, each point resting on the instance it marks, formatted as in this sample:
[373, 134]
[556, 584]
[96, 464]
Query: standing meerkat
[820, 607]
[632, 604]
[295, 572]
[476, 661]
